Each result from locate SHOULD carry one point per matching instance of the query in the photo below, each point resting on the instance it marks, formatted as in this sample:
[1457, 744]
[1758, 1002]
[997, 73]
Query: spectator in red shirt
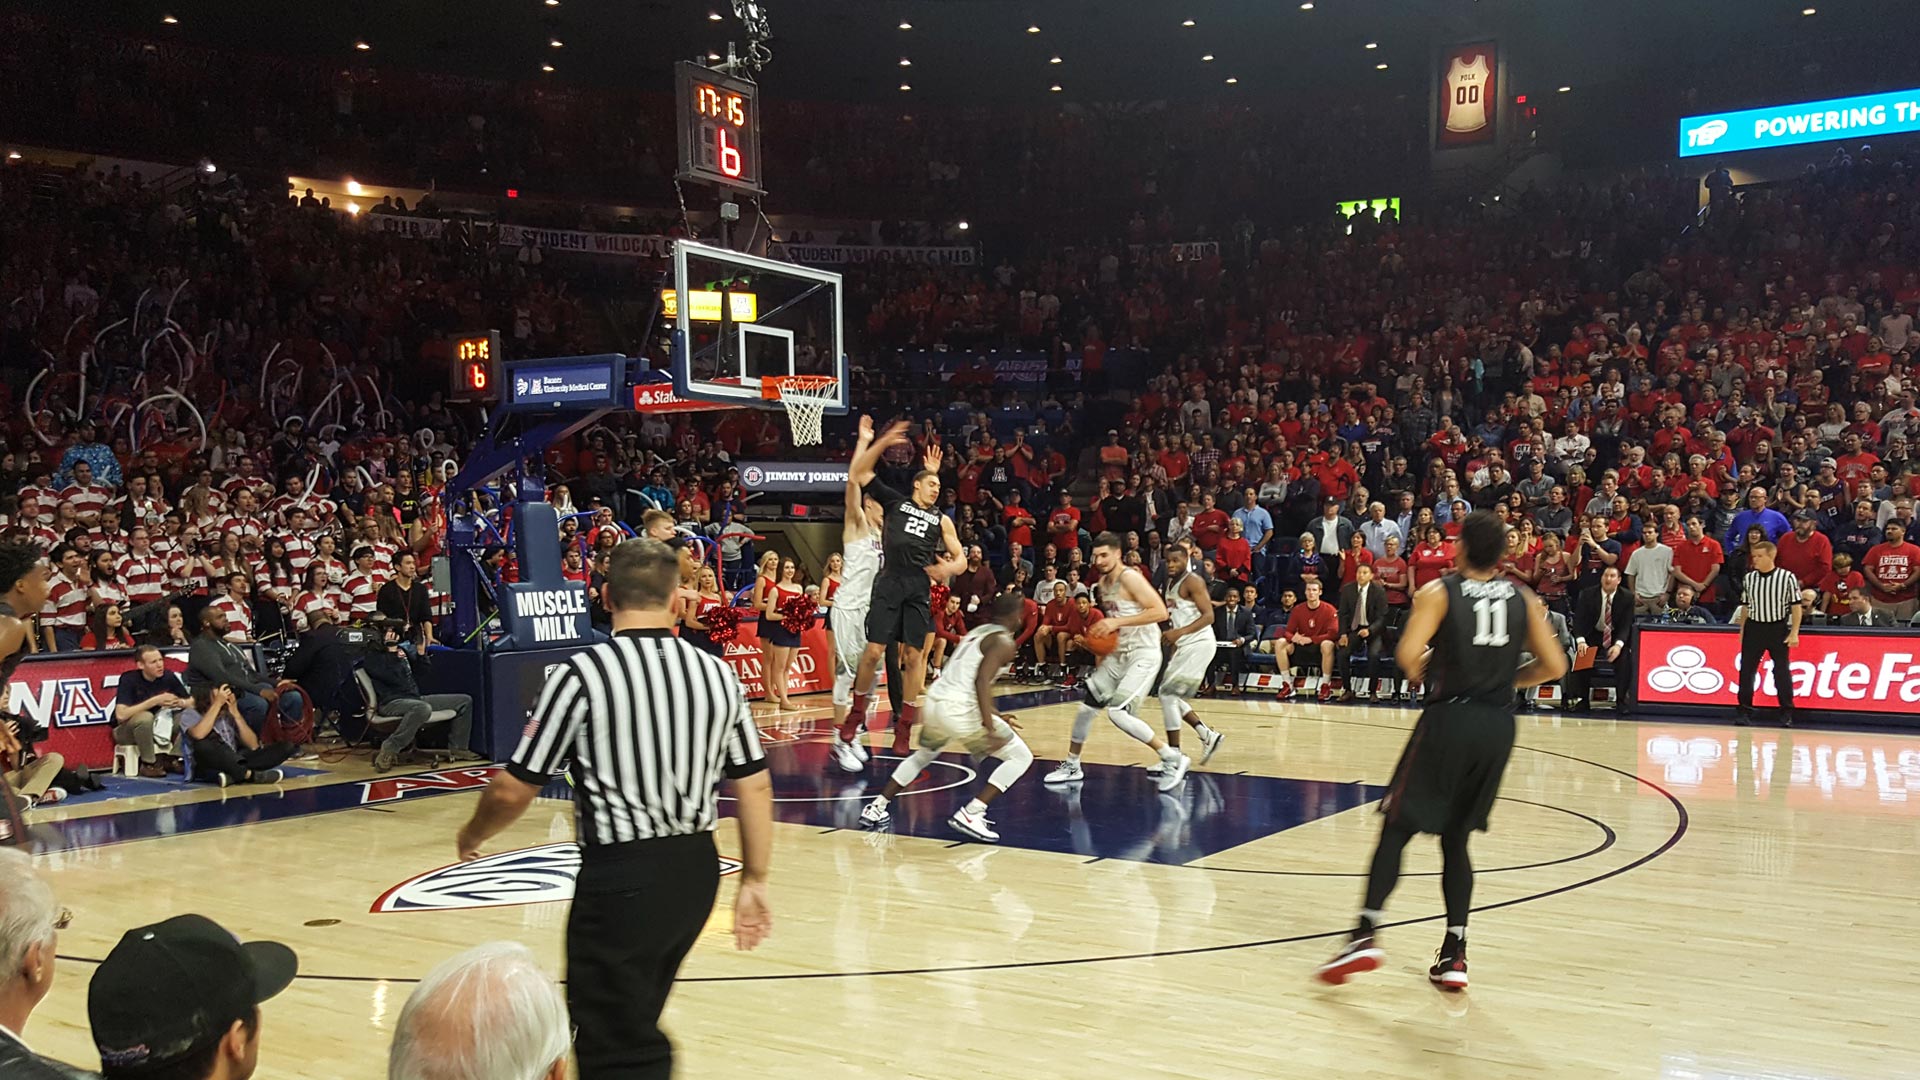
[1697, 560]
[65, 615]
[1839, 586]
[1019, 520]
[1234, 555]
[1063, 525]
[1210, 524]
[949, 626]
[1058, 625]
[1805, 550]
[1312, 626]
[1892, 570]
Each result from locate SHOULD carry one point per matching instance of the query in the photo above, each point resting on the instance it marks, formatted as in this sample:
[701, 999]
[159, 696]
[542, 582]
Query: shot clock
[476, 367]
[719, 128]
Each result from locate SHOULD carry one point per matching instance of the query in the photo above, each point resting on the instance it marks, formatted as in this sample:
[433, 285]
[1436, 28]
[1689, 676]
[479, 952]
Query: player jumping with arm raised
[860, 554]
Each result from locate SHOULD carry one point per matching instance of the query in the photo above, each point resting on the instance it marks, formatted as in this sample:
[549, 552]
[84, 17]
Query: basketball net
[806, 398]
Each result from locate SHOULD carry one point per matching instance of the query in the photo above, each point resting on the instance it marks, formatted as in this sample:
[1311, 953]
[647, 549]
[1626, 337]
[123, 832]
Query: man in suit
[1603, 619]
[1363, 626]
[1232, 629]
[1860, 612]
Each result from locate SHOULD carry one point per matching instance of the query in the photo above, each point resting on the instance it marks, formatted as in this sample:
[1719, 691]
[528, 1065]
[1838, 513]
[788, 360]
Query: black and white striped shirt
[650, 725]
[1772, 596]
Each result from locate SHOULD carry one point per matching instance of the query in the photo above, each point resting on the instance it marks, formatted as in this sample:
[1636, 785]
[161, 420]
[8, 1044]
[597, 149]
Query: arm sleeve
[744, 755]
[548, 737]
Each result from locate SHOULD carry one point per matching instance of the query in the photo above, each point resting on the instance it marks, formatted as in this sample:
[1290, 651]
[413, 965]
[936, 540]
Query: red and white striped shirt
[109, 594]
[383, 553]
[336, 572]
[43, 498]
[148, 510]
[230, 490]
[145, 577]
[273, 584]
[252, 529]
[300, 551]
[182, 567]
[363, 593]
[91, 499]
[308, 603]
[66, 604]
[44, 537]
[239, 618]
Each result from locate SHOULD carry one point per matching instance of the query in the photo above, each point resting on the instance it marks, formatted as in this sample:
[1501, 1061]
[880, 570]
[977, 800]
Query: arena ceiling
[960, 50]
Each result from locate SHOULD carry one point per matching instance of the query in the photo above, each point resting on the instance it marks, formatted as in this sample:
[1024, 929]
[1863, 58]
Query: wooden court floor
[1655, 900]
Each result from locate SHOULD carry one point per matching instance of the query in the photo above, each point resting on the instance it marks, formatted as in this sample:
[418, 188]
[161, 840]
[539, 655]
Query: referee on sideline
[1769, 619]
[650, 726]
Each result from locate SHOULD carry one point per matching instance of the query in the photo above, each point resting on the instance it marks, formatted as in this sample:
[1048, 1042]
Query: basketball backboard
[746, 319]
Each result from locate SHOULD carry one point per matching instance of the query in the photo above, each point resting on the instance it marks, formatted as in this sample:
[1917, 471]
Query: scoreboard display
[476, 367]
[719, 128]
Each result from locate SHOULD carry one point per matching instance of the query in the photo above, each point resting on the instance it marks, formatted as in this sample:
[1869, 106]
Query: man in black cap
[184, 996]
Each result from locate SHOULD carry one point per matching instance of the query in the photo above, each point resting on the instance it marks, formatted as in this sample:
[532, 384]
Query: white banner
[845, 254]
[419, 228]
[629, 245]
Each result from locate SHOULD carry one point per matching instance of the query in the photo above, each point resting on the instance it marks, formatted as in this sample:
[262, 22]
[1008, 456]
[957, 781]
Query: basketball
[1102, 644]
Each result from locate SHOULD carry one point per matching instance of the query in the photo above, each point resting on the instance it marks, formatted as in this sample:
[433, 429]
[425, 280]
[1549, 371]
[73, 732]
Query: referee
[1769, 619]
[650, 725]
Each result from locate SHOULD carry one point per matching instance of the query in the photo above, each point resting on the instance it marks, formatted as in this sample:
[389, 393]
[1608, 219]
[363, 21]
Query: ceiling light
[713, 16]
[553, 3]
[1207, 58]
[1233, 80]
[555, 43]
[1564, 89]
[1308, 6]
[1055, 60]
[1033, 29]
[1055, 88]
[548, 68]
[13, 155]
[962, 226]
[171, 21]
[1189, 22]
[353, 208]
[1809, 11]
[208, 166]
[905, 25]
[713, 56]
[354, 188]
[362, 46]
[1373, 44]
[904, 62]
[1379, 67]
[906, 86]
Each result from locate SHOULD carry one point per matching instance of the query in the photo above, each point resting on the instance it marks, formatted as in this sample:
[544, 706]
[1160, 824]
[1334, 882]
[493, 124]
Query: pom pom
[937, 598]
[723, 623]
[797, 613]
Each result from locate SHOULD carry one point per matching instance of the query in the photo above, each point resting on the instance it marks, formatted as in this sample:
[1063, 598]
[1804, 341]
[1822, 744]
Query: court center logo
[1686, 668]
[536, 875]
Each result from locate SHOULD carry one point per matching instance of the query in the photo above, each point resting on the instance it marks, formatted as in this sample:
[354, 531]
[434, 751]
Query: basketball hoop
[806, 398]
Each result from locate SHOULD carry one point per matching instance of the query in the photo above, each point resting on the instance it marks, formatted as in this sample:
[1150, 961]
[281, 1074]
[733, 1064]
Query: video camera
[378, 635]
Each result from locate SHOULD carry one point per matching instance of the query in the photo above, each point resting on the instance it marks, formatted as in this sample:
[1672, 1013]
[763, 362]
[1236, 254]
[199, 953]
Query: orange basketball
[1101, 644]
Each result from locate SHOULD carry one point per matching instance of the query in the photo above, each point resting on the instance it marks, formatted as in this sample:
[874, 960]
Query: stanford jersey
[1477, 648]
[913, 539]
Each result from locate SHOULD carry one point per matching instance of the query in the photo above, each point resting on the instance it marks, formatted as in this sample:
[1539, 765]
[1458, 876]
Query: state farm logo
[753, 476]
[1686, 668]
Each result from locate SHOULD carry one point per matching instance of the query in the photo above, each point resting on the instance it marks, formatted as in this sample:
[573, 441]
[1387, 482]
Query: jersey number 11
[1490, 623]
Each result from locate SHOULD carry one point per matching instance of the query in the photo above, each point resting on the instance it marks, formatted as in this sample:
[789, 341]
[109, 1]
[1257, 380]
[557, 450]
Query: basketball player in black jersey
[918, 547]
[1464, 636]
[23, 592]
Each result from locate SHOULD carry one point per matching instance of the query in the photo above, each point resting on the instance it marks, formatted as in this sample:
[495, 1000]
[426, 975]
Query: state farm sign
[1846, 672]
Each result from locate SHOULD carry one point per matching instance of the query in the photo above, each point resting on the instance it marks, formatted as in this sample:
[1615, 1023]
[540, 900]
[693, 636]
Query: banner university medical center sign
[1863, 117]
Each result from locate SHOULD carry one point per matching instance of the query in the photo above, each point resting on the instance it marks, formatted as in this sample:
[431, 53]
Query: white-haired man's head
[29, 917]
[490, 1013]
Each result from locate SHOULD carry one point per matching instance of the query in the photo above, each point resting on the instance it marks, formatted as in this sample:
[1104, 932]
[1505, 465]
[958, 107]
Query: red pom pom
[937, 598]
[723, 623]
[797, 613]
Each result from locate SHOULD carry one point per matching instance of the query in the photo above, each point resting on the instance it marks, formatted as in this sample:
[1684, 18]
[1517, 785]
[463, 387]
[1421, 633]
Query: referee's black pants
[1769, 638]
[637, 909]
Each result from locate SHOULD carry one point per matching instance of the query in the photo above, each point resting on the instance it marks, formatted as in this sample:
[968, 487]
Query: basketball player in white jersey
[860, 564]
[1125, 675]
[1190, 637]
[960, 708]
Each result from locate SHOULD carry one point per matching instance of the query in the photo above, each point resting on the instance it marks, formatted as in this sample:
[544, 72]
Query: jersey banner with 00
[1468, 96]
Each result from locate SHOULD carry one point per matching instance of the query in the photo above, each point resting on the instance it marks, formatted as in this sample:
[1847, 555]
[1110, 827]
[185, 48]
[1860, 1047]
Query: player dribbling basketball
[1123, 677]
[1477, 624]
[961, 709]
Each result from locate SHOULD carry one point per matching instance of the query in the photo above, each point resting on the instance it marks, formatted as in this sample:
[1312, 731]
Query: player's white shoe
[860, 748]
[1069, 772]
[875, 814]
[1171, 776]
[974, 825]
[1212, 740]
[847, 756]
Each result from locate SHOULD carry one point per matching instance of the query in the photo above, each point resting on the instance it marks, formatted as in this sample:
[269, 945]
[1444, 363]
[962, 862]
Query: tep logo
[1707, 134]
[752, 477]
[1686, 667]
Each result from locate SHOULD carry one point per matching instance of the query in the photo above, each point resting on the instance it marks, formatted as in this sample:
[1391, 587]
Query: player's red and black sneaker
[1285, 691]
[1449, 970]
[1326, 691]
[1360, 955]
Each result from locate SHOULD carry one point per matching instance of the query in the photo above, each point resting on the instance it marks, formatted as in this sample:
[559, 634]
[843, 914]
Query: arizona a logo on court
[536, 875]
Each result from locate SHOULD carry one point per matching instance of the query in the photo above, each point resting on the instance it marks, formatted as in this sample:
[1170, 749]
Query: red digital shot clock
[719, 128]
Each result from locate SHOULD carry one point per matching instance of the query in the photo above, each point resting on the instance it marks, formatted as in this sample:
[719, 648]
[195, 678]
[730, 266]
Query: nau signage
[1863, 117]
[545, 609]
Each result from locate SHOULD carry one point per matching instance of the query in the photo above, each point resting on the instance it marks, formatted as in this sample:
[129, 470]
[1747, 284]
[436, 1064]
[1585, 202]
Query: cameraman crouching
[400, 697]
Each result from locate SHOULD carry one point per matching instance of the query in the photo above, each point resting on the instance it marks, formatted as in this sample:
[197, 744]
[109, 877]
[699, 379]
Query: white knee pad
[1174, 710]
[1014, 759]
[1083, 722]
[843, 688]
[1130, 724]
[912, 766]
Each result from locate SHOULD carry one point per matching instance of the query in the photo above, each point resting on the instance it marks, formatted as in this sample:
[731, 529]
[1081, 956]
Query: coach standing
[650, 725]
[1769, 619]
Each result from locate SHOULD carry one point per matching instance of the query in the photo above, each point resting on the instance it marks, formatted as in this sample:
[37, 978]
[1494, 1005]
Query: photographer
[225, 749]
[400, 697]
[29, 778]
[323, 663]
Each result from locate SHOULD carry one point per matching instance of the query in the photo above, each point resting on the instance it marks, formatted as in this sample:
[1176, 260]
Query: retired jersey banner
[1468, 95]
[1867, 672]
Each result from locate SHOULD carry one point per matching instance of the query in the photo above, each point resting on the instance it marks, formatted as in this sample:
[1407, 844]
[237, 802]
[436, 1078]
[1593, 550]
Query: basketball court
[1666, 900]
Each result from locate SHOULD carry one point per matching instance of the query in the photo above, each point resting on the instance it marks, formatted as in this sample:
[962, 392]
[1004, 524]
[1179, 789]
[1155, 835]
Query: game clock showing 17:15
[719, 128]
[476, 367]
